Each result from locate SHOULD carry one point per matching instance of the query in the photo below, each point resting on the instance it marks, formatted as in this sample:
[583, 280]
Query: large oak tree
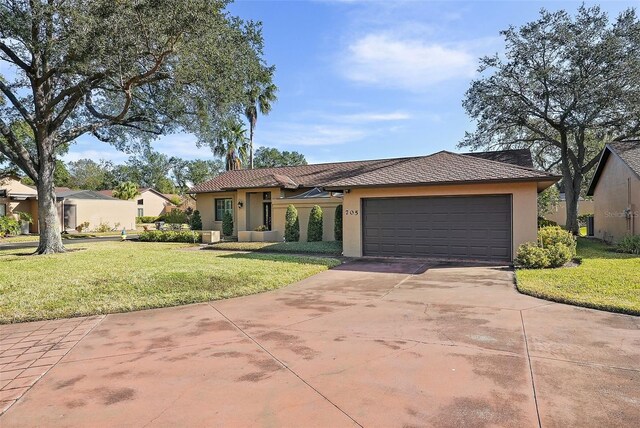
[122, 70]
[565, 86]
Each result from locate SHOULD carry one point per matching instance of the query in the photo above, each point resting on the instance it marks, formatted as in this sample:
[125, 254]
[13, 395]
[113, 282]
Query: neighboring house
[149, 202]
[80, 206]
[559, 212]
[75, 207]
[446, 205]
[17, 197]
[616, 191]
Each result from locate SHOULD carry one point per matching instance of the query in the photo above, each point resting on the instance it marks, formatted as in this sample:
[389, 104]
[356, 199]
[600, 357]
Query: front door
[266, 214]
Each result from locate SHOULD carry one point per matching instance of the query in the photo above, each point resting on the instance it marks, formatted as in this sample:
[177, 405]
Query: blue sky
[366, 79]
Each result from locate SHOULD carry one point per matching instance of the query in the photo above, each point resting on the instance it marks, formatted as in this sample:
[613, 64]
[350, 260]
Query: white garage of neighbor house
[475, 206]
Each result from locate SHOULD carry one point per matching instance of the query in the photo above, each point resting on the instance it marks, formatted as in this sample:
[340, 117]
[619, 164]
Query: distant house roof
[439, 168]
[627, 151]
[83, 194]
[141, 190]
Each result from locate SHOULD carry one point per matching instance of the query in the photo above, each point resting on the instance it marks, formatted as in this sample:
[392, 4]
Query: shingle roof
[84, 194]
[441, 167]
[628, 151]
[520, 157]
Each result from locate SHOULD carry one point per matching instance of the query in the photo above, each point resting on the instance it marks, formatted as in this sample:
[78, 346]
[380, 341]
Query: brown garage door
[465, 227]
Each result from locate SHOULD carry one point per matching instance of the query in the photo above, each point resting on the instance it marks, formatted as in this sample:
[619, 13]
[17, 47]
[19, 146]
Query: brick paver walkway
[29, 350]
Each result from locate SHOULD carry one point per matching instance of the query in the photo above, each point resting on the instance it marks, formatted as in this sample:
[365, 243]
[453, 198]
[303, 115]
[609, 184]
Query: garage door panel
[475, 227]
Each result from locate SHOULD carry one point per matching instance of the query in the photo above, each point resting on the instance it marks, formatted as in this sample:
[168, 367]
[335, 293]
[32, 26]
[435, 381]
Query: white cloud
[367, 117]
[294, 134]
[411, 63]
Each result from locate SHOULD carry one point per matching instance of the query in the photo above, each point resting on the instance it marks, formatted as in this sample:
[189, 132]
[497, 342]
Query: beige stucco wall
[559, 214]
[304, 207]
[524, 200]
[97, 211]
[153, 204]
[205, 203]
[618, 188]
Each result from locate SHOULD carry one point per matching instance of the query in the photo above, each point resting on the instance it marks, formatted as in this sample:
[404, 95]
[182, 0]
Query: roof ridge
[502, 163]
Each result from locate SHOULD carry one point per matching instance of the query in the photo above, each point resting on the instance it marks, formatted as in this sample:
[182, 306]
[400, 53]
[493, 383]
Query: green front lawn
[70, 236]
[326, 247]
[604, 280]
[106, 277]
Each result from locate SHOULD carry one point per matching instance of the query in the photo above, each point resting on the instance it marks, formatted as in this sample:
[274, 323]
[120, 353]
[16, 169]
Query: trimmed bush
[543, 222]
[9, 226]
[291, 225]
[176, 217]
[196, 221]
[548, 236]
[558, 255]
[314, 231]
[170, 236]
[103, 227]
[147, 219]
[337, 224]
[629, 244]
[227, 224]
[531, 256]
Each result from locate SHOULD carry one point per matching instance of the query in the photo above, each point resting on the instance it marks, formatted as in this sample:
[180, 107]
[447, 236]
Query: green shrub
[291, 225]
[83, 226]
[629, 244]
[188, 236]
[147, 219]
[176, 217]
[531, 256]
[314, 231]
[551, 235]
[9, 226]
[23, 216]
[583, 219]
[558, 255]
[261, 228]
[337, 224]
[543, 222]
[227, 224]
[196, 221]
[103, 227]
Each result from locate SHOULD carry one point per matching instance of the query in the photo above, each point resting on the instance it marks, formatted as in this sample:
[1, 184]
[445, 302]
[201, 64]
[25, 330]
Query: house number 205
[350, 212]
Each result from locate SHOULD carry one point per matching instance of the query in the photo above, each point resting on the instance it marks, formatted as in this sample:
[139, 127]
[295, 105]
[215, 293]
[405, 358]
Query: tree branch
[28, 117]
[15, 151]
[15, 59]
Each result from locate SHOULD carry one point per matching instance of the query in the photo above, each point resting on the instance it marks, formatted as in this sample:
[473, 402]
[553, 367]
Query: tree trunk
[572, 196]
[251, 146]
[48, 219]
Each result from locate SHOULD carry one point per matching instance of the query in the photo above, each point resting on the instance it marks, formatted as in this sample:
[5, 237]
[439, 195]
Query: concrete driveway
[371, 343]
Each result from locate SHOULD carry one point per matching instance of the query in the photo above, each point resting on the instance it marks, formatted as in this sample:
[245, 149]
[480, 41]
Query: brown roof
[628, 151]
[441, 167]
[520, 157]
[106, 192]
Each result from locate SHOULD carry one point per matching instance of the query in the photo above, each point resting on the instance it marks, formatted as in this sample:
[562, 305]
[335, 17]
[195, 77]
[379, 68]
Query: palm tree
[126, 190]
[232, 145]
[260, 96]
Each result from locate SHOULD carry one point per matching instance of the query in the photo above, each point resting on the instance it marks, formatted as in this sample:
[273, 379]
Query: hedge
[170, 236]
[291, 225]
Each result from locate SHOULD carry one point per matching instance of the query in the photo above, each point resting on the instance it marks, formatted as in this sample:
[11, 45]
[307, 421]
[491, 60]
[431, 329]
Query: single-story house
[445, 205]
[75, 207]
[149, 202]
[17, 197]
[616, 191]
[86, 206]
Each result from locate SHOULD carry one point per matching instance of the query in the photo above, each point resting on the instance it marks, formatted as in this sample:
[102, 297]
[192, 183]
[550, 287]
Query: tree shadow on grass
[287, 258]
[589, 249]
